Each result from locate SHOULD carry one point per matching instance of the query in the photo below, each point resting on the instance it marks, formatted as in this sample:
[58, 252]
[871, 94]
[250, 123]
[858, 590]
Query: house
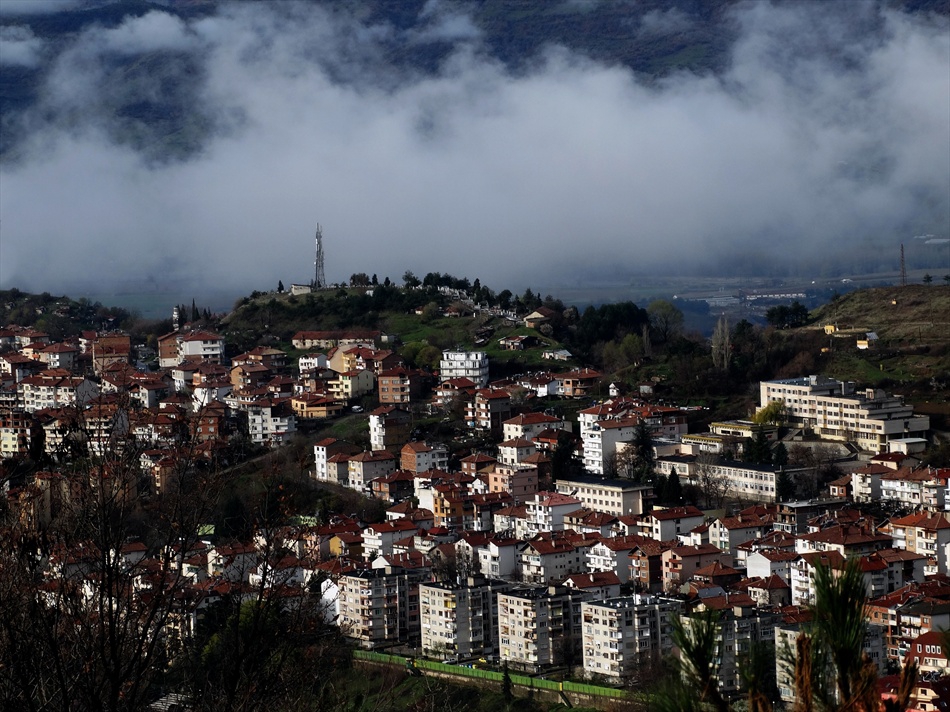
[419, 457]
[681, 562]
[527, 425]
[313, 406]
[326, 449]
[926, 533]
[541, 315]
[351, 384]
[599, 584]
[579, 383]
[54, 388]
[367, 466]
[670, 523]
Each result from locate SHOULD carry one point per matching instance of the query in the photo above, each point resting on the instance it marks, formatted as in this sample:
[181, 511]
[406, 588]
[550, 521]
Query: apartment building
[420, 456]
[381, 606]
[460, 620]
[472, 365]
[389, 428]
[271, 422]
[621, 634]
[616, 497]
[835, 410]
[540, 627]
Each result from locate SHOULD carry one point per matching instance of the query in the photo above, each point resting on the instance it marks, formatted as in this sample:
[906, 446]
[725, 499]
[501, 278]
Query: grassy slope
[912, 356]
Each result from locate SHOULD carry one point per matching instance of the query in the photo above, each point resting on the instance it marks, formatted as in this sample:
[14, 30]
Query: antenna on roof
[319, 278]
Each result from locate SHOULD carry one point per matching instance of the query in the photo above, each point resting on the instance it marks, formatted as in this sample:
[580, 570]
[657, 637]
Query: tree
[784, 487]
[721, 349]
[665, 320]
[674, 489]
[928, 278]
[410, 280]
[774, 413]
[280, 287]
[194, 311]
[712, 484]
[758, 451]
[780, 455]
[359, 279]
[374, 281]
[830, 670]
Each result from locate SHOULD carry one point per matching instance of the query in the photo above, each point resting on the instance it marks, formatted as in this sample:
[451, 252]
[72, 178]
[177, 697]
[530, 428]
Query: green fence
[523, 680]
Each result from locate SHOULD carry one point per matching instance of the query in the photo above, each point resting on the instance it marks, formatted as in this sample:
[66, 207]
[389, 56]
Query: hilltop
[911, 353]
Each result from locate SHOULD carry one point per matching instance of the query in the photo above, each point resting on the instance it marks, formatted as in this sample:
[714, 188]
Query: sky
[818, 140]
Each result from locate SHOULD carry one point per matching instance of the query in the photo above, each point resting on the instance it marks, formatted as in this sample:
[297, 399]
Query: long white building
[835, 410]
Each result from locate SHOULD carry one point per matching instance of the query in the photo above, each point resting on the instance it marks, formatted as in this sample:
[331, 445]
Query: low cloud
[797, 152]
[19, 47]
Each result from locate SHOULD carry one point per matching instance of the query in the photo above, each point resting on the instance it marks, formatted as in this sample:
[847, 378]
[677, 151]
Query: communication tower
[903, 268]
[319, 278]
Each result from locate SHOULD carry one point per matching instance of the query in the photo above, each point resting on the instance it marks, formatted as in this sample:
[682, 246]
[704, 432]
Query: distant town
[550, 523]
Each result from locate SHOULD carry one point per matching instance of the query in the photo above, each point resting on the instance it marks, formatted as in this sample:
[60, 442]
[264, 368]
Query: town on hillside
[547, 522]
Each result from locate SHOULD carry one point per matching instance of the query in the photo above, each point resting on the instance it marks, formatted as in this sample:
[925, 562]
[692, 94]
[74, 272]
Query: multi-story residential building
[465, 364]
[399, 385]
[540, 627]
[546, 512]
[380, 606]
[349, 385]
[527, 425]
[786, 640]
[669, 523]
[15, 432]
[836, 411]
[497, 558]
[579, 383]
[681, 562]
[460, 620]
[619, 635]
[520, 481]
[617, 497]
[742, 624]
[512, 452]
[59, 355]
[488, 410]
[926, 533]
[601, 440]
[419, 457]
[646, 565]
[379, 538]
[728, 532]
[848, 540]
[271, 422]
[367, 466]
[921, 487]
[54, 388]
[323, 451]
[200, 345]
[389, 428]
[613, 554]
[546, 560]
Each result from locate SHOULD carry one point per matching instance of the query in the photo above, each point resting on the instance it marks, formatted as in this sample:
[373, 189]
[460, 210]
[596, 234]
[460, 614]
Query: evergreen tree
[758, 451]
[194, 311]
[780, 455]
[785, 488]
[674, 489]
[280, 286]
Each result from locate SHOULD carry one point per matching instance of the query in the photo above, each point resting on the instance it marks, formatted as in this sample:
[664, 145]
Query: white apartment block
[202, 345]
[616, 497]
[620, 634]
[537, 626]
[601, 440]
[460, 620]
[836, 411]
[380, 606]
[465, 364]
